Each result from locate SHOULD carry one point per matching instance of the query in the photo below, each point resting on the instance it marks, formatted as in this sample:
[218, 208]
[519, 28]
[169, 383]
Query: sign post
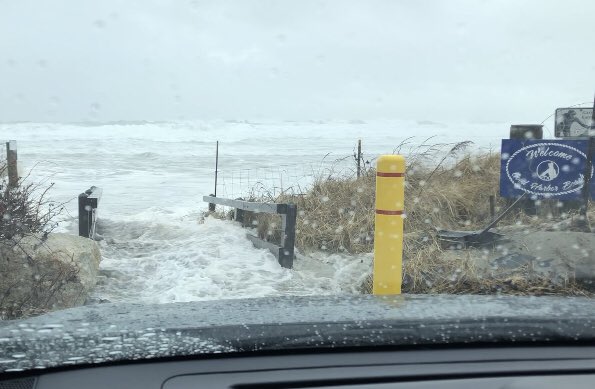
[524, 132]
[588, 168]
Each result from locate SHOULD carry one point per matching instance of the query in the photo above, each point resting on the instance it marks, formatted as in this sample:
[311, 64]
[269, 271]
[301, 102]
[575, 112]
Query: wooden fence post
[492, 206]
[212, 205]
[288, 222]
[84, 215]
[88, 201]
[11, 162]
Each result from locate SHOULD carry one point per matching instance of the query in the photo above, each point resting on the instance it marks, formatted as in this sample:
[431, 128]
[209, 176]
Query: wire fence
[270, 182]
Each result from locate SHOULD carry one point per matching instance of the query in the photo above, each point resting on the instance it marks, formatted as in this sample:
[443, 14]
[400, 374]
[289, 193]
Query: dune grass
[446, 187]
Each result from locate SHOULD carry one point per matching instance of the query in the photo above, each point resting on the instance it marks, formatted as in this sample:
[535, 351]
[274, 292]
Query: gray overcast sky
[74, 60]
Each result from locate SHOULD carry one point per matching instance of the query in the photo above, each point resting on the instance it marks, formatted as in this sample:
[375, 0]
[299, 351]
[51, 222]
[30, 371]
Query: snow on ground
[155, 247]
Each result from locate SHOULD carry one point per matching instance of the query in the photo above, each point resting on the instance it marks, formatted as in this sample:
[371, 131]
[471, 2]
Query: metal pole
[359, 153]
[11, 162]
[506, 211]
[212, 205]
[216, 166]
[588, 169]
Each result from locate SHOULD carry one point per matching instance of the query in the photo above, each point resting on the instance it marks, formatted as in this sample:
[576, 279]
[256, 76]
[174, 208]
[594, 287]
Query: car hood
[122, 332]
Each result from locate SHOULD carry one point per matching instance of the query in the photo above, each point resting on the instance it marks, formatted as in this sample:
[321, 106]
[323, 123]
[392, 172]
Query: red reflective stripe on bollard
[384, 212]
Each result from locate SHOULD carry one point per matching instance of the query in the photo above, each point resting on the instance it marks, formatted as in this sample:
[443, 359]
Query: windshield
[158, 152]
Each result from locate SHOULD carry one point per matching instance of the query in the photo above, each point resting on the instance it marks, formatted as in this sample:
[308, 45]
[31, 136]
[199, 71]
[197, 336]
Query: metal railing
[288, 212]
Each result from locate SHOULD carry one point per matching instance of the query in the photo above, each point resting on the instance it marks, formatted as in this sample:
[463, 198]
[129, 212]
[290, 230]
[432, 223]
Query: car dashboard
[462, 367]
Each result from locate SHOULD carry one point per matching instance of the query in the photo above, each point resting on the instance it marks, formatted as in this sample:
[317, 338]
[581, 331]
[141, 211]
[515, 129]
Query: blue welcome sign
[544, 168]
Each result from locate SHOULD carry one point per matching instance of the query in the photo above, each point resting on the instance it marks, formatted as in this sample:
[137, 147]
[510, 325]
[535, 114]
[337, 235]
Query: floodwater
[156, 244]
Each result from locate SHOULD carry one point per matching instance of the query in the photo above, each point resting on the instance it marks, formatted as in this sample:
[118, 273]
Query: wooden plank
[247, 205]
[262, 244]
[284, 256]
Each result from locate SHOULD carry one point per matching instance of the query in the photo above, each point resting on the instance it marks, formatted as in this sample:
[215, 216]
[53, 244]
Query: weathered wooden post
[288, 221]
[238, 214]
[212, 205]
[88, 201]
[527, 132]
[11, 162]
[84, 215]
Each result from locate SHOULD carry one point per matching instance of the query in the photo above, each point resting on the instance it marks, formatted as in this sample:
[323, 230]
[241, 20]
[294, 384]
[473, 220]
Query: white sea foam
[186, 259]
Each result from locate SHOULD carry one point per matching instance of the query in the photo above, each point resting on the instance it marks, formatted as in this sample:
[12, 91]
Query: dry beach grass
[27, 214]
[446, 188]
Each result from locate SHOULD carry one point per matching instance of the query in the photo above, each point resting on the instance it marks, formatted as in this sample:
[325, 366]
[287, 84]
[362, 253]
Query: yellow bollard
[388, 231]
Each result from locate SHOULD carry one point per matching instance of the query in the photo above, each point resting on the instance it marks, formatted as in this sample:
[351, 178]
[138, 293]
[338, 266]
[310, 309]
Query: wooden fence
[288, 212]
